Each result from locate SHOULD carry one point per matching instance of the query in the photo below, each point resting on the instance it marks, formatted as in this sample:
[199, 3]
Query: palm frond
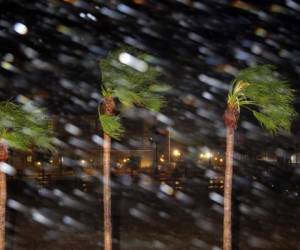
[269, 96]
[112, 126]
[127, 97]
[23, 125]
[128, 84]
[153, 102]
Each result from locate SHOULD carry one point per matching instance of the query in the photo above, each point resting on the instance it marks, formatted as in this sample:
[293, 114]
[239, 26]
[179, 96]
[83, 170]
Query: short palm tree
[20, 127]
[270, 99]
[129, 86]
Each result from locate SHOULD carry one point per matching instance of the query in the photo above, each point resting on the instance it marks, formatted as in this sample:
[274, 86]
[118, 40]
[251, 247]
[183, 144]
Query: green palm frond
[128, 97]
[267, 95]
[24, 125]
[129, 85]
[16, 140]
[153, 102]
[112, 126]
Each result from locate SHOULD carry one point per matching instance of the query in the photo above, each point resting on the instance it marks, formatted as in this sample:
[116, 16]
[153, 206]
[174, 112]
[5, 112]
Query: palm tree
[270, 99]
[20, 127]
[130, 81]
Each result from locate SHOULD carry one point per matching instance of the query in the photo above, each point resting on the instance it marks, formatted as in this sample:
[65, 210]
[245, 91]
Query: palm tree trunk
[3, 194]
[227, 234]
[108, 107]
[2, 209]
[107, 193]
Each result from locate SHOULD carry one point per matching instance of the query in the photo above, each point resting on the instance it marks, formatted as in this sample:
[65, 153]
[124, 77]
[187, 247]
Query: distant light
[20, 28]
[201, 155]
[38, 163]
[176, 152]
[133, 62]
[216, 158]
[162, 159]
[29, 158]
[82, 162]
[221, 160]
[126, 160]
[261, 32]
[208, 155]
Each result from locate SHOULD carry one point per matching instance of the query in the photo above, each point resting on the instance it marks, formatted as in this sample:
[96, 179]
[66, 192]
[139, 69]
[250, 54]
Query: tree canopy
[266, 94]
[25, 125]
[128, 78]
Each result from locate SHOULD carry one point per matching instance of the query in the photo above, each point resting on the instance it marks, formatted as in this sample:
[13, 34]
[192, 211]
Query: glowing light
[261, 32]
[29, 158]
[126, 160]
[208, 155]
[221, 160]
[20, 28]
[176, 153]
[38, 163]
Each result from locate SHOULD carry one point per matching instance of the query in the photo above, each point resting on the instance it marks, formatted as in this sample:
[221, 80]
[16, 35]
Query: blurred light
[133, 62]
[202, 155]
[20, 28]
[208, 155]
[221, 160]
[260, 32]
[7, 65]
[126, 160]
[38, 163]
[176, 153]
[162, 158]
[29, 158]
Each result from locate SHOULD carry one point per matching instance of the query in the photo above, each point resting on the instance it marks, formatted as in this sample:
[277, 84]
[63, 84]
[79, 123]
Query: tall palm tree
[270, 99]
[127, 79]
[20, 127]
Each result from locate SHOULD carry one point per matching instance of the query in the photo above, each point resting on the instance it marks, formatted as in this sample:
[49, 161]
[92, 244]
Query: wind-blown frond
[128, 84]
[25, 125]
[153, 102]
[112, 126]
[267, 95]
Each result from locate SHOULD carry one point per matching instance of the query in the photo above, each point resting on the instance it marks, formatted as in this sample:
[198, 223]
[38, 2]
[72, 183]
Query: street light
[208, 155]
[176, 153]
